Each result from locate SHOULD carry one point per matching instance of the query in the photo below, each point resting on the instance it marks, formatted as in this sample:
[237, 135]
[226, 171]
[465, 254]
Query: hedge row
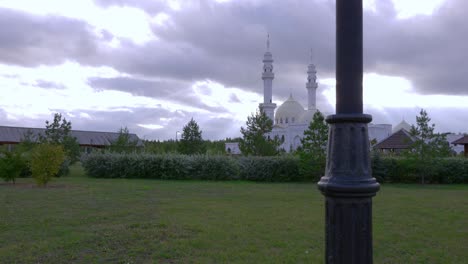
[404, 170]
[199, 167]
[268, 169]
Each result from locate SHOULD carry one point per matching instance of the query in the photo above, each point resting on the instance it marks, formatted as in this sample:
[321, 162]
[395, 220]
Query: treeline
[209, 147]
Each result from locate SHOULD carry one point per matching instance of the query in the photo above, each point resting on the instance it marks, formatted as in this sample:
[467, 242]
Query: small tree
[191, 141]
[59, 132]
[254, 137]
[428, 145]
[123, 143]
[314, 146]
[11, 165]
[46, 161]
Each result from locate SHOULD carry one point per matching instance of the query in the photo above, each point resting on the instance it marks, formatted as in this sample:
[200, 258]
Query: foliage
[201, 167]
[11, 165]
[215, 147]
[123, 143]
[27, 143]
[58, 132]
[191, 141]
[161, 147]
[46, 161]
[270, 169]
[254, 137]
[428, 145]
[313, 154]
[406, 170]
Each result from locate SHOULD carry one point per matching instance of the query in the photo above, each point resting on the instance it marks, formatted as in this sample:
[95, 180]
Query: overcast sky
[152, 65]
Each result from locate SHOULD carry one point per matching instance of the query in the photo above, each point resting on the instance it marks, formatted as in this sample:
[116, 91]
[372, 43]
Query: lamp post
[348, 185]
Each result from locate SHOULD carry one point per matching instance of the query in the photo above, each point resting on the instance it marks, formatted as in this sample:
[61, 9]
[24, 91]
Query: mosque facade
[291, 119]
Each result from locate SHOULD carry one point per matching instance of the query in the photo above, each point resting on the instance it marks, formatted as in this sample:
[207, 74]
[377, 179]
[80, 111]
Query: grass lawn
[85, 220]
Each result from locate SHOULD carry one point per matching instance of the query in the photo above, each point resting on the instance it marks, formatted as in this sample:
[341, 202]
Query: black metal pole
[348, 185]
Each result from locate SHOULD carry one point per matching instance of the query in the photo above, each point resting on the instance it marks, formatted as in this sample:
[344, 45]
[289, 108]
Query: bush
[46, 161]
[11, 166]
[198, 167]
[270, 169]
[407, 170]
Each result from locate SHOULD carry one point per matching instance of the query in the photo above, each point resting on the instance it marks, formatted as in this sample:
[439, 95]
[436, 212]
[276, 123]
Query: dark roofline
[41, 128]
[93, 138]
[404, 131]
[461, 141]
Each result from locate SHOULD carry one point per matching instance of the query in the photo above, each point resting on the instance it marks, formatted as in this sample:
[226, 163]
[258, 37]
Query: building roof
[398, 140]
[461, 141]
[90, 138]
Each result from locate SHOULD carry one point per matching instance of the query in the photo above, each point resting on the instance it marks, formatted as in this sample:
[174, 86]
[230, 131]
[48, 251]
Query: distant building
[291, 119]
[11, 136]
[396, 143]
[451, 138]
[232, 148]
[464, 142]
[401, 139]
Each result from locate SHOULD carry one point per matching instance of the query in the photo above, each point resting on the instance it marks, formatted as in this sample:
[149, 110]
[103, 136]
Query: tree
[255, 140]
[427, 145]
[123, 143]
[11, 165]
[314, 146]
[59, 132]
[191, 141]
[46, 162]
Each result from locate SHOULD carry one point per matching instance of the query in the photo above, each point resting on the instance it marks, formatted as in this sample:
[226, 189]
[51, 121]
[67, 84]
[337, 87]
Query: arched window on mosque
[282, 137]
[286, 120]
[281, 120]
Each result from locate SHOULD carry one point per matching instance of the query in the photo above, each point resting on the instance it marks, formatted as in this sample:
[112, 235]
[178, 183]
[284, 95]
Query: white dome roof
[402, 125]
[290, 110]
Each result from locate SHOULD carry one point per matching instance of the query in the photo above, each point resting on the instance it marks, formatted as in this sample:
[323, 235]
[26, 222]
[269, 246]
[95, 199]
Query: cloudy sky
[152, 65]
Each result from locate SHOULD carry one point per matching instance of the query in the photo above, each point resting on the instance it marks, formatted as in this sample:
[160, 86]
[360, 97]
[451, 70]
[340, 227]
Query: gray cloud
[175, 91]
[49, 85]
[30, 40]
[225, 43]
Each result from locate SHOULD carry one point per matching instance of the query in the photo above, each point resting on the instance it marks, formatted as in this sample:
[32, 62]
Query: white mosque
[291, 119]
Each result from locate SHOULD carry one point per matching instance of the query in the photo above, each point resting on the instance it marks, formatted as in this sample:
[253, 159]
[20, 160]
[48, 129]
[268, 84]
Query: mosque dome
[289, 112]
[402, 125]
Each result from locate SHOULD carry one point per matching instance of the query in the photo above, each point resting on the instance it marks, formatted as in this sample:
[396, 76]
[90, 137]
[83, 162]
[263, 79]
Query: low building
[232, 148]
[11, 136]
[396, 142]
[462, 141]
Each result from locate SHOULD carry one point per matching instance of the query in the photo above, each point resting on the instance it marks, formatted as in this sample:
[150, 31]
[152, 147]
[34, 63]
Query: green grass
[85, 220]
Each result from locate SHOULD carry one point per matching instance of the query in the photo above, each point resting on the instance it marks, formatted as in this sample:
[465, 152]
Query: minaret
[267, 76]
[311, 84]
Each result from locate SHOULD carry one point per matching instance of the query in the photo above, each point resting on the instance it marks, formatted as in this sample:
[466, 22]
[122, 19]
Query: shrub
[11, 166]
[407, 170]
[199, 167]
[270, 169]
[46, 161]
